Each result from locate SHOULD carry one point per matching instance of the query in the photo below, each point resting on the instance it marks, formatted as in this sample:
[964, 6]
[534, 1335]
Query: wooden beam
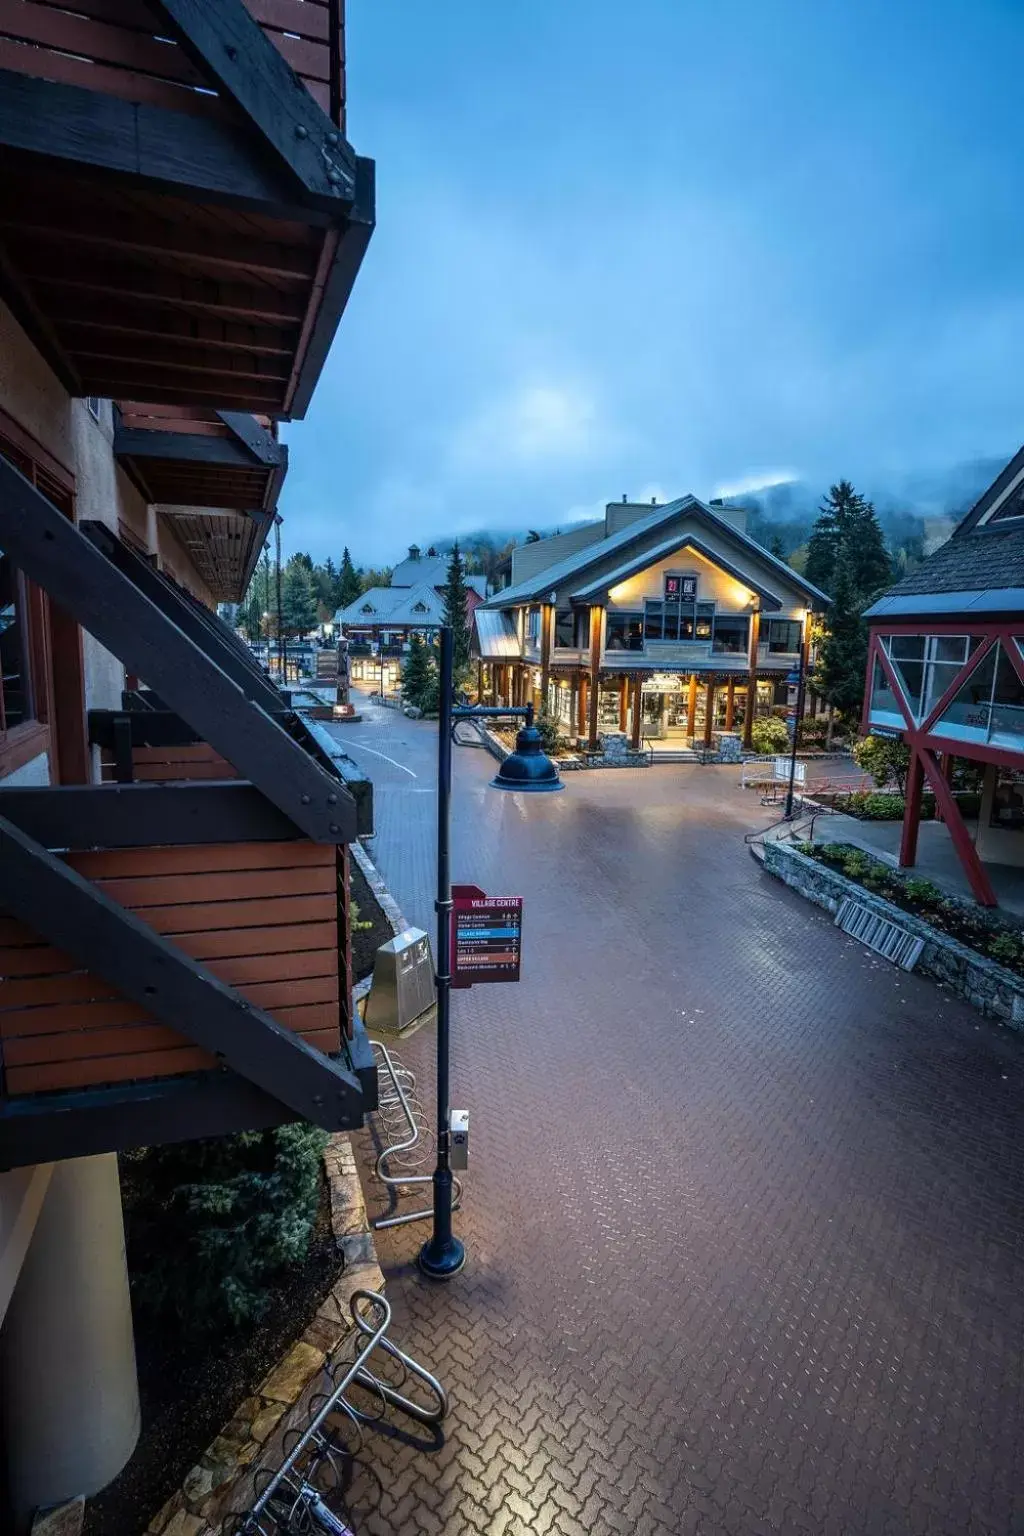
[70, 223]
[228, 46]
[638, 714]
[709, 713]
[748, 716]
[193, 157]
[623, 702]
[596, 639]
[111, 942]
[121, 280]
[691, 707]
[581, 718]
[134, 815]
[974, 869]
[180, 448]
[911, 811]
[730, 703]
[335, 281]
[60, 559]
[547, 624]
[74, 322]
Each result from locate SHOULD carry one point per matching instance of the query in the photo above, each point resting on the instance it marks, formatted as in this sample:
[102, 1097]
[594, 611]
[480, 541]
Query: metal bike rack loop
[403, 1127]
[291, 1503]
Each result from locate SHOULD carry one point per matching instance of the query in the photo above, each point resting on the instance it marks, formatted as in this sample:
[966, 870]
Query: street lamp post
[800, 679]
[527, 769]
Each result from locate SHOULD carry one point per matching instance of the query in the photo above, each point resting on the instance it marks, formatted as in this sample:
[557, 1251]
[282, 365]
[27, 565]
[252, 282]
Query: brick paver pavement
[744, 1212]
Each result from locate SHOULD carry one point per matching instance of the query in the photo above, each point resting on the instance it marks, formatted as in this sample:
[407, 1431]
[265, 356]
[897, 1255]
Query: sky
[670, 246]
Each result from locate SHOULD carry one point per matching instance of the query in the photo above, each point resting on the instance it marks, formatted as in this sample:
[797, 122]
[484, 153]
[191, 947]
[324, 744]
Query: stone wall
[986, 985]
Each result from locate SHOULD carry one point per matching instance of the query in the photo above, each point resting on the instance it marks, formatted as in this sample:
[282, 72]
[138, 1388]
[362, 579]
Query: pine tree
[848, 559]
[839, 676]
[456, 611]
[349, 586]
[298, 598]
[419, 677]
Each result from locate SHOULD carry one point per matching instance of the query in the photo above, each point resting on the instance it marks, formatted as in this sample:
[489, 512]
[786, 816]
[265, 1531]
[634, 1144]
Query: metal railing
[407, 1137]
[293, 1500]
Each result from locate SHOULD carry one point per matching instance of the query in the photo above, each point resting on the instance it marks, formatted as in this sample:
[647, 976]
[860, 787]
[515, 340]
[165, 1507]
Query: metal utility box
[402, 996]
[458, 1151]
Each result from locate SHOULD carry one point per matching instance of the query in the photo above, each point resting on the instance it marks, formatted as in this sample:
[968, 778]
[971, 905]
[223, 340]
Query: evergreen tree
[298, 598]
[419, 677]
[349, 586]
[847, 558]
[456, 611]
[776, 547]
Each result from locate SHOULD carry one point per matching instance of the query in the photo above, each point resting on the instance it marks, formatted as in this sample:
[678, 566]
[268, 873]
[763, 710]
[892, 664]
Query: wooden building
[946, 673]
[181, 223]
[667, 622]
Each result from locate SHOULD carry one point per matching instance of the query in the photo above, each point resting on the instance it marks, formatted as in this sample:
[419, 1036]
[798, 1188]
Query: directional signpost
[487, 934]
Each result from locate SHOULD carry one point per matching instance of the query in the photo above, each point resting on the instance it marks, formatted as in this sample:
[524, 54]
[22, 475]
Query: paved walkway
[744, 1212]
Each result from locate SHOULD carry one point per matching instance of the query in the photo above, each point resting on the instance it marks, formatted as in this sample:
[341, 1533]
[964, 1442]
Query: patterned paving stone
[744, 1214]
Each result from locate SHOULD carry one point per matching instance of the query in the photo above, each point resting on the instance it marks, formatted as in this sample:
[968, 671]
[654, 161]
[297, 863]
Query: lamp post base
[442, 1260]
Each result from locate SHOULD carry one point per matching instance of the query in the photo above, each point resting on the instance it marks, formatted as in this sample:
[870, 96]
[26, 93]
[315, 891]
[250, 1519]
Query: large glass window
[1006, 727]
[582, 630]
[533, 625]
[783, 637]
[654, 620]
[989, 706]
[564, 627]
[732, 634]
[885, 709]
[927, 665]
[623, 630]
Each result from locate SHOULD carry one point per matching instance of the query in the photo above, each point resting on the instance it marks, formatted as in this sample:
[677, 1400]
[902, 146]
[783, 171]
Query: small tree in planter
[885, 758]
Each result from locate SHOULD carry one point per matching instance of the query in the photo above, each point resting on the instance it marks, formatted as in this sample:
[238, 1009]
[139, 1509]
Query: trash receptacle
[402, 996]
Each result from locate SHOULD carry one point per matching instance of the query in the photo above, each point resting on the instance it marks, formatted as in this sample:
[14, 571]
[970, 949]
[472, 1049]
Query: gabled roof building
[946, 673]
[662, 621]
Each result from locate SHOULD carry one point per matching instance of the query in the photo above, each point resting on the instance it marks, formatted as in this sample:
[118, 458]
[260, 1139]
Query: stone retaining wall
[986, 985]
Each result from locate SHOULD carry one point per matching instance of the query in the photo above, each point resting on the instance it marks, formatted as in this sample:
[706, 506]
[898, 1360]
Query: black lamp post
[800, 679]
[526, 769]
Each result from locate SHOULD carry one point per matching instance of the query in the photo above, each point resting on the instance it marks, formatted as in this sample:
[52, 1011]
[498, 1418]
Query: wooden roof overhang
[215, 477]
[181, 217]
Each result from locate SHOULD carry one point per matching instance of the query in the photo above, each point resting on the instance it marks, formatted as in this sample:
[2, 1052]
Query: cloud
[533, 425]
[759, 480]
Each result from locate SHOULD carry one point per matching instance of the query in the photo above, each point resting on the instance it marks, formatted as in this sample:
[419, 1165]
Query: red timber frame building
[946, 669]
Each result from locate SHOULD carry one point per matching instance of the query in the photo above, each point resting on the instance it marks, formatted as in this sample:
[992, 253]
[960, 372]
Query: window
[783, 637]
[16, 702]
[623, 630]
[367, 608]
[989, 707]
[93, 405]
[419, 608]
[925, 666]
[582, 629]
[533, 625]
[1012, 507]
[732, 634]
[565, 627]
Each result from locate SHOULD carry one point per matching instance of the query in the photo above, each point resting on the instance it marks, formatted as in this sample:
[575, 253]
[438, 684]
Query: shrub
[214, 1221]
[921, 890]
[550, 728]
[1008, 948]
[885, 758]
[769, 735]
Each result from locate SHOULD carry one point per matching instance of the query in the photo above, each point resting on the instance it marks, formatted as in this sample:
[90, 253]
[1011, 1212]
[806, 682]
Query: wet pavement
[744, 1213]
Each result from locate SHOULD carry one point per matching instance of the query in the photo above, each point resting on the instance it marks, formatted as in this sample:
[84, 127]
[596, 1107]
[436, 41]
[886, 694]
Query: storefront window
[608, 708]
[1007, 814]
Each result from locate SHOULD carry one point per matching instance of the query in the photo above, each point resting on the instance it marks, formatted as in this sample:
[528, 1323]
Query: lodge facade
[946, 673]
[181, 220]
[665, 622]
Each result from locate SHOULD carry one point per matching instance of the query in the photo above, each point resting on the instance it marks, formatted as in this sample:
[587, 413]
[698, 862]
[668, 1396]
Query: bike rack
[404, 1129]
[291, 1503]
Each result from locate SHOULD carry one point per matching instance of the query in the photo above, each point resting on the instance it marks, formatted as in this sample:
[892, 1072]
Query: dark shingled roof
[992, 559]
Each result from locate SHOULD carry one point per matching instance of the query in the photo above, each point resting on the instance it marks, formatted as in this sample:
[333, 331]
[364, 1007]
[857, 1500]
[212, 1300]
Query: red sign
[487, 935]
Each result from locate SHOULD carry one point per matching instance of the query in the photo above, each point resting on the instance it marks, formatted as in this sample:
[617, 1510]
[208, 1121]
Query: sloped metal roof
[496, 634]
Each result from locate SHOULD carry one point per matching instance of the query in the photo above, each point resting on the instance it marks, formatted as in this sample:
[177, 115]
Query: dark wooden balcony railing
[117, 46]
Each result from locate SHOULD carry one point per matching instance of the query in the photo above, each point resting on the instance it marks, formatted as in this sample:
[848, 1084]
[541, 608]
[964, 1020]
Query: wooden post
[748, 716]
[709, 713]
[638, 716]
[691, 707]
[623, 702]
[581, 717]
[973, 868]
[479, 682]
[730, 703]
[547, 624]
[912, 811]
[596, 637]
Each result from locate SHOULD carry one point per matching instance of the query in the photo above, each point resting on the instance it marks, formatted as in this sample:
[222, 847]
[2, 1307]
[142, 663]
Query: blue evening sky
[665, 246]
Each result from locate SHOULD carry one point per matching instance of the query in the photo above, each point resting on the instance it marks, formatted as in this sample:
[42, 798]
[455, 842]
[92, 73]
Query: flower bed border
[988, 986]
